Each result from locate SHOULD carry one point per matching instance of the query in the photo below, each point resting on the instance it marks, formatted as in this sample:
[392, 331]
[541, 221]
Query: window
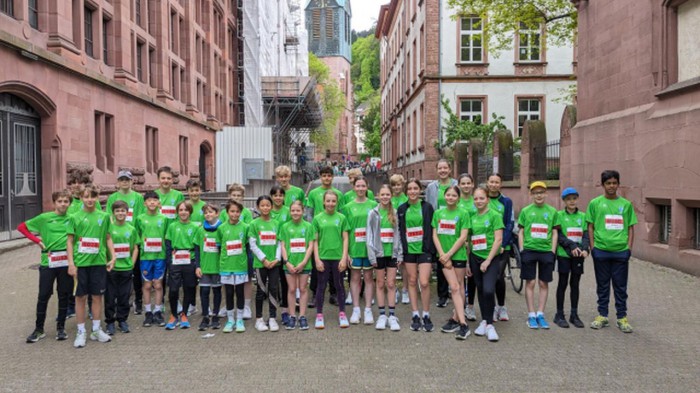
[104, 141]
[139, 61]
[105, 40]
[471, 46]
[329, 23]
[174, 75]
[137, 12]
[528, 109]
[33, 11]
[664, 223]
[471, 110]
[7, 7]
[183, 155]
[151, 149]
[316, 23]
[697, 228]
[688, 30]
[152, 66]
[173, 28]
[88, 32]
[529, 44]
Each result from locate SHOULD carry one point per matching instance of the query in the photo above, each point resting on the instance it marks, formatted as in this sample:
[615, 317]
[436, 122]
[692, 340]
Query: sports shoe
[158, 318]
[110, 329]
[396, 294]
[369, 317]
[274, 327]
[172, 323]
[343, 320]
[204, 325]
[260, 325]
[496, 310]
[481, 329]
[70, 313]
[532, 323]
[292, 324]
[624, 326]
[303, 323]
[124, 327]
[215, 322]
[443, 302]
[503, 314]
[228, 328]
[184, 322]
[355, 317]
[381, 322]
[247, 313]
[491, 333]
[469, 313]
[285, 318]
[148, 320]
[560, 320]
[138, 308]
[311, 303]
[100, 335]
[240, 326]
[600, 322]
[35, 336]
[394, 323]
[416, 324]
[404, 297]
[61, 334]
[348, 299]
[319, 322]
[463, 332]
[542, 322]
[222, 312]
[191, 310]
[575, 320]
[80, 340]
[450, 327]
[427, 324]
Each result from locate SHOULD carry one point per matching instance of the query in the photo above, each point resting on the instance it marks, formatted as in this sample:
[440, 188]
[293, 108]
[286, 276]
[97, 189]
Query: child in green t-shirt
[283, 174]
[466, 202]
[280, 213]
[297, 237]
[397, 183]
[209, 279]
[194, 192]
[151, 227]
[169, 197]
[233, 263]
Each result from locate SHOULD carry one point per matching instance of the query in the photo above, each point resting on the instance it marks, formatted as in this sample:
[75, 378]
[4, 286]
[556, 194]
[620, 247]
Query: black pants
[268, 285]
[137, 282]
[64, 287]
[284, 287]
[485, 285]
[471, 290]
[314, 282]
[204, 296]
[502, 259]
[443, 288]
[119, 285]
[240, 298]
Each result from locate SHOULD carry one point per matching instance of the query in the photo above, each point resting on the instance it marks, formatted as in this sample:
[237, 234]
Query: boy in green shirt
[88, 245]
[151, 227]
[611, 221]
[76, 182]
[119, 279]
[314, 201]
[283, 174]
[537, 240]
[209, 279]
[169, 197]
[350, 196]
[194, 192]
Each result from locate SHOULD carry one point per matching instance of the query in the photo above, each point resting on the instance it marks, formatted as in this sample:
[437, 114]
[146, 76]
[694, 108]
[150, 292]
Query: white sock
[95, 325]
[81, 328]
[239, 313]
[540, 313]
[247, 303]
[415, 314]
[368, 309]
[229, 315]
[426, 314]
[531, 315]
[355, 310]
[158, 308]
[147, 307]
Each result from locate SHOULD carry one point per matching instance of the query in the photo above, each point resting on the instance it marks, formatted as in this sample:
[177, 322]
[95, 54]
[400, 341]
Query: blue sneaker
[303, 323]
[172, 323]
[542, 322]
[285, 319]
[532, 323]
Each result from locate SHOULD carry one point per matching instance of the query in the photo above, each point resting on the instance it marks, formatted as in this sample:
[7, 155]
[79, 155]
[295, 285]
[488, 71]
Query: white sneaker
[397, 297]
[481, 330]
[394, 324]
[247, 313]
[261, 326]
[355, 317]
[496, 310]
[381, 322]
[348, 299]
[80, 340]
[191, 310]
[369, 317]
[101, 336]
[404, 297]
[179, 308]
[491, 333]
[274, 327]
[222, 312]
[469, 313]
[503, 314]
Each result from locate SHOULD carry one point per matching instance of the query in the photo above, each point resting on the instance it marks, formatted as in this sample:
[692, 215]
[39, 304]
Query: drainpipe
[439, 71]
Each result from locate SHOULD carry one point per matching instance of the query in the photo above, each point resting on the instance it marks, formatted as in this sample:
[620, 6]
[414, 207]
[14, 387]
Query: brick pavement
[661, 355]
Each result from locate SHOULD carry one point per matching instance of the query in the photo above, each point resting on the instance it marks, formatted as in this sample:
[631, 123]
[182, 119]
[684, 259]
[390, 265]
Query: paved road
[663, 354]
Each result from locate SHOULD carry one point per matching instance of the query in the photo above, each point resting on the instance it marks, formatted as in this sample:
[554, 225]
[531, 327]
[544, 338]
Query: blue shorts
[153, 269]
[361, 263]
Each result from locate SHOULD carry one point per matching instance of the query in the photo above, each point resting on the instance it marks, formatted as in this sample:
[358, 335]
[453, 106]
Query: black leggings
[284, 287]
[485, 285]
[204, 298]
[268, 285]
[192, 296]
[330, 270]
[471, 290]
[501, 281]
[561, 290]
[240, 298]
[174, 294]
[64, 286]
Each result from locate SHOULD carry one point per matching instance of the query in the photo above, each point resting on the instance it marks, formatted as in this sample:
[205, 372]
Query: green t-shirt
[169, 202]
[265, 234]
[414, 228]
[441, 196]
[449, 225]
[89, 232]
[133, 199]
[297, 238]
[76, 205]
[197, 216]
[398, 200]
[232, 238]
[351, 195]
[572, 226]
[183, 236]
[125, 238]
[538, 224]
[483, 227]
[293, 194]
[497, 206]
[467, 205]
[52, 229]
[246, 216]
[151, 230]
[329, 230]
[611, 219]
[386, 234]
[209, 251]
[315, 199]
[282, 215]
[356, 214]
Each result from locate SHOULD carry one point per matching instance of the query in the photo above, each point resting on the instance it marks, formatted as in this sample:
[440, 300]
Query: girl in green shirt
[210, 281]
[466, 202]
[280, 212]
[233, 264]
[398, 198]
[297, 237]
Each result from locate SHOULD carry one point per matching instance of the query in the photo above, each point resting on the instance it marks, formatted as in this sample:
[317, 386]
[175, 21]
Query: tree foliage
[333, 103]
[371, 124]
[457, 129]
[365, 68]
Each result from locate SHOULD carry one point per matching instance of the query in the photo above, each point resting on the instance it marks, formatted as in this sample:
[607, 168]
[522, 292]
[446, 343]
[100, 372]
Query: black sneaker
[124, 327]
[35, 336]
[70, 312]
[138, 308]
[204, 325]
[450, 327]
[312, 300]
[109, 329]
[416, 324]
[427, 324]
[61, 334]
[303, 323]
[158, 318]
[463, 332]
[285, 318]
[443, 302]
[215, 322]
[574, 319]
[148, 321]
[560, 320]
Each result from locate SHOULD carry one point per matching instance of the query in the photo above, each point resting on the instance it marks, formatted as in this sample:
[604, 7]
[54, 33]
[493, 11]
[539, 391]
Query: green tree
[365, 68]
[371, 124]
[457, 129]
[332, 103]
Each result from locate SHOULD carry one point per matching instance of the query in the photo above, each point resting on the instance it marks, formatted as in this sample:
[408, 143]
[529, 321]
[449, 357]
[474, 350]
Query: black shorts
[537, 264]
[385, 262]
[182, 276]
[459, 264]
[91, 280]
[417, 258]
[570, 265]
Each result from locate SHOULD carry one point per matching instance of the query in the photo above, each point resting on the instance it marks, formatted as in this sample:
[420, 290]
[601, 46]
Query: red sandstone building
[639, 112]
[109, 84]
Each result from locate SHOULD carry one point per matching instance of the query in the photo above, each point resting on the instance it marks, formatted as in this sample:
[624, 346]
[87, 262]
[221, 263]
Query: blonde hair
[354, 172]
[283, 170]
[396, 179]
[390, 213]
[235, 187]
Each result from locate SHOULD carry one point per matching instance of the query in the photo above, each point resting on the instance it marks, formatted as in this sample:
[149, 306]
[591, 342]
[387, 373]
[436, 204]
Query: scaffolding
[291, 27]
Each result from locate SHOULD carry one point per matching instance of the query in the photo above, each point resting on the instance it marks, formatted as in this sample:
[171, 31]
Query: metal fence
[546, 161]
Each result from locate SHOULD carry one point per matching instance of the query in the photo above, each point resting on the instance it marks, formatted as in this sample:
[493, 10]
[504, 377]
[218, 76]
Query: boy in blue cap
[573, 248]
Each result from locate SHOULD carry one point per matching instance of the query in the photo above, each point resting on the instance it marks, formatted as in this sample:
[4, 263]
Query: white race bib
[89, 245]
[181, 257]
[479, 242]
[447, 227]
[168, 211]
[414, 235]
[539, 231]
[210, 245]
[234, 247]
[387, 235]
[575, 234]
[130, 215]
[121, 250]
[268, 238]
[360, 235]
[153, 245]
[297, 246]
[58, 259]
[614, 222]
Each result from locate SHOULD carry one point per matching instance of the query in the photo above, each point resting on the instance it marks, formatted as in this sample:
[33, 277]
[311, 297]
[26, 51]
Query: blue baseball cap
[568, 191]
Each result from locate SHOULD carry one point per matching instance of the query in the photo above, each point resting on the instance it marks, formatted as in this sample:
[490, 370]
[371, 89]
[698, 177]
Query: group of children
[158, 239]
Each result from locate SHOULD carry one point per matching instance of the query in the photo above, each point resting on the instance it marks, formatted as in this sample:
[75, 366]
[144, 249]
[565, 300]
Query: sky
[365, 12]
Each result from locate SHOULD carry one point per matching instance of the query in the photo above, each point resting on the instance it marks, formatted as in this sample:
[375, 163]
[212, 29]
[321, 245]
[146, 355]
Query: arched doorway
[20, 163]
[205, 166]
